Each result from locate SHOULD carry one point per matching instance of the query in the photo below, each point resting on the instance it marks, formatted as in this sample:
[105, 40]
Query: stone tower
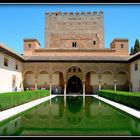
[74, 30]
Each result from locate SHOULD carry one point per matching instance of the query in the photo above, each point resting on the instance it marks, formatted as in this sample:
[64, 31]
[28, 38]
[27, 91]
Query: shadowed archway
[74, 85]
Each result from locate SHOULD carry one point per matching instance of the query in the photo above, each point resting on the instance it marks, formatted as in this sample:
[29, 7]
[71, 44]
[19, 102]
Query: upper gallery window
[136, 66]
[16, 66]
[5, 61]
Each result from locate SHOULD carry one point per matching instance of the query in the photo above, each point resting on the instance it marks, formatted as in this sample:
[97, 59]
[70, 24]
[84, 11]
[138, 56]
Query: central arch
[74, 85]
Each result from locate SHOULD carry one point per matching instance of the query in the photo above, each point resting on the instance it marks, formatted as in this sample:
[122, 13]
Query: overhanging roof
[120, 59]
[11, 53]
[76, 59]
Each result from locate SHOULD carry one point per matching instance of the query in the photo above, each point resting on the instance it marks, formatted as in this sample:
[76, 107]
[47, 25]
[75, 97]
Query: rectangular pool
[71, 116]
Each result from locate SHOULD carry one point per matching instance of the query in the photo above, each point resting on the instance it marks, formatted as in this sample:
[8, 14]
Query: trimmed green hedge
[12, 99]
[131, 99]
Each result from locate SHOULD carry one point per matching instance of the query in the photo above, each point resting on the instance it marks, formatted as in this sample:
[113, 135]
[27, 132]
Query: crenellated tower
[74, 30]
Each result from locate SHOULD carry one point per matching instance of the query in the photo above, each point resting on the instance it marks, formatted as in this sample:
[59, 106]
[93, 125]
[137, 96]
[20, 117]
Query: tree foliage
[136, 47]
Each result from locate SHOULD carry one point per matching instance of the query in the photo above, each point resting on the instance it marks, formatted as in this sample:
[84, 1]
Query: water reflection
[74, 103]
[74, 109]
[80, 116]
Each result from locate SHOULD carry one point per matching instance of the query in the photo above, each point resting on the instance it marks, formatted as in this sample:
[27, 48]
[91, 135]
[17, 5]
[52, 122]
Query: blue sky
[19, 21]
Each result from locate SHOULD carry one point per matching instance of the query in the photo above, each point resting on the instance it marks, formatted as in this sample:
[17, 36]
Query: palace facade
[74, 58]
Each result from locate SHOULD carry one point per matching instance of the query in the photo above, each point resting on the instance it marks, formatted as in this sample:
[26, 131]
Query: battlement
[94, 13]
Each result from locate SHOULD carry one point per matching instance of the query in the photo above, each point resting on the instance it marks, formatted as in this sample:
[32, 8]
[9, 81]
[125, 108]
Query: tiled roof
[134, 57]
[10, 52]
[62, 58]
[77, 58]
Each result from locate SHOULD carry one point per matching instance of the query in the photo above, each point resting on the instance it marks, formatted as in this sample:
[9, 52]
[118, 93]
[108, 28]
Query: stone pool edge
[124, 108]
[18, 109]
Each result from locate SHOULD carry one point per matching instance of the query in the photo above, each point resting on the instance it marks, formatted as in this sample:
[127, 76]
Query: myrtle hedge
[131, 99]
[12, 99]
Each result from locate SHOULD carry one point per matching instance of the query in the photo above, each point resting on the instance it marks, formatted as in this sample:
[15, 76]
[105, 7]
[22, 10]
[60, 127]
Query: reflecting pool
[72, 115]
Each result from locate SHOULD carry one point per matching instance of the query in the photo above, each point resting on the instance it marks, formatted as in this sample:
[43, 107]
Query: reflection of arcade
[57, 107]
[74, 104]
[74, 108]
[96, 115]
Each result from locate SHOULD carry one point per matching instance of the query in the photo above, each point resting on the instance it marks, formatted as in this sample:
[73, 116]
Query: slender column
[22, 86]
[36, 83]
[64, 88]
[84, 93]
[65, 93]
[99, 84]
[115, 86]
[83, 87]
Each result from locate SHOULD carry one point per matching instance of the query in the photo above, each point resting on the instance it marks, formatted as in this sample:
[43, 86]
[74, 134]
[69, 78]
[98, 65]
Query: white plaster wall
[43, 78]
[94, 79]
[135, 76]
[55, 79]
[108, 79]
[6, 74]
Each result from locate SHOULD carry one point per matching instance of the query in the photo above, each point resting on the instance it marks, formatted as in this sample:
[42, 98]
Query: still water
[73, 115]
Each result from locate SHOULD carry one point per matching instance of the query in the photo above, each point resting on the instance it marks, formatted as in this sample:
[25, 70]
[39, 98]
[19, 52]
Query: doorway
[74, 85]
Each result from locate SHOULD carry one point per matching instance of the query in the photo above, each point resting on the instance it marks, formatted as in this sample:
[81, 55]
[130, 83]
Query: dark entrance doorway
[74, 85]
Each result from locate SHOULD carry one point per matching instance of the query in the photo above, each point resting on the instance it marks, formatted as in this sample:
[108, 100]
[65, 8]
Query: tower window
[29, 45]
[74, 44]
[6, 62]
[94, 42]
[122, 45]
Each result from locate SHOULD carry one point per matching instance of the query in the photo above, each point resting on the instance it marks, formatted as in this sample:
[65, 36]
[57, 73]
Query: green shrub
[131, 99]
[12, 99]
